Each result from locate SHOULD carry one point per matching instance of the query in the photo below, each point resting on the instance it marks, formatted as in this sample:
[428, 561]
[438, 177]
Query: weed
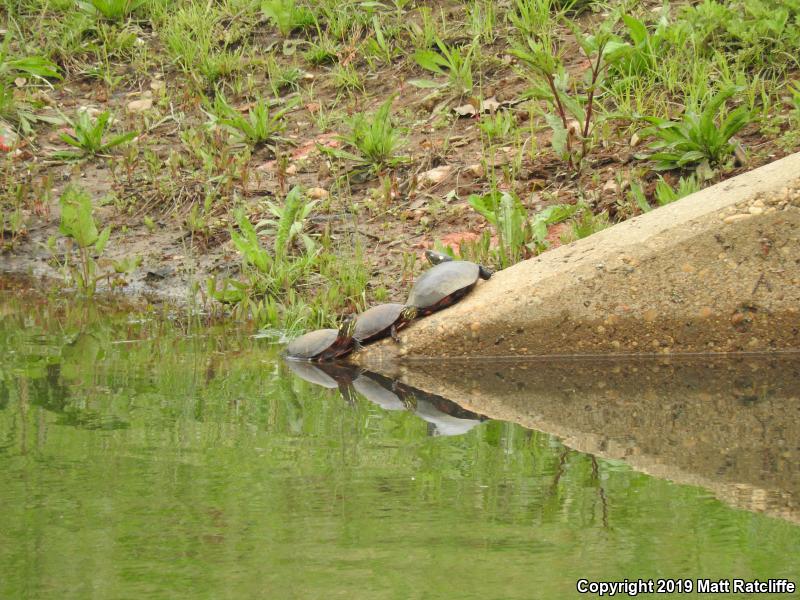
[290, 222]
[450, 61]
[89, 137]
[379, 45]
[664, 193]
[482, 21]
[261, 125]
[375, 138]
[566, 103]
[80, 229]
[702, 140]
[286, 15]
[586, 223]
[518, 236]
[271, 284]
[190, 37]
[347, 78]
[322, 52]
[497, 126]
[26, 66]
[640, 56]
[282, 78]
[533, 18]
[112, 10]
[794, 89]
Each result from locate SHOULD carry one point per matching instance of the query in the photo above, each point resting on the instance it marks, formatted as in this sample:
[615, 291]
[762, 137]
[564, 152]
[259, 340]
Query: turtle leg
[393, 333]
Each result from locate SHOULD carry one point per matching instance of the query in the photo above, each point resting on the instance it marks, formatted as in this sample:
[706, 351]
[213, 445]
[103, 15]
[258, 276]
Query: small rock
[139, 106]
[291, 170]
[610, 186]
[755, 210]
[635, 139]
[475, 170]
[317, 193]
[434, 176]
[735, 218]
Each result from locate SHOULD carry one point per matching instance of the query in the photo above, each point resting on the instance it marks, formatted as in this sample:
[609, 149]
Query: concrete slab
[718, 271]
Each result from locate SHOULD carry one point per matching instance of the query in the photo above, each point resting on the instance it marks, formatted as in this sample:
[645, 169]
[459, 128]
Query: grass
[583, 113]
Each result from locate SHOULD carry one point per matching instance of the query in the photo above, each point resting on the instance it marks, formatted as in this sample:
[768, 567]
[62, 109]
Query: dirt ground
[426, 203]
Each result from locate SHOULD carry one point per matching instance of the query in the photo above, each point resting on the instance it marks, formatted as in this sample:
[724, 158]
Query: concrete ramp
[718, 271]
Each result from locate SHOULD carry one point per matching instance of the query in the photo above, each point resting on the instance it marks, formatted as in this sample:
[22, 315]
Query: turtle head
[436, 258]
[409, 313]
[485, 272]
[347, 328]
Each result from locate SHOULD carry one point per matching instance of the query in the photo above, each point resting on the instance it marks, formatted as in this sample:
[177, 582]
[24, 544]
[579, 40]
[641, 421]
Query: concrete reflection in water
[444, 416]
[730, 425]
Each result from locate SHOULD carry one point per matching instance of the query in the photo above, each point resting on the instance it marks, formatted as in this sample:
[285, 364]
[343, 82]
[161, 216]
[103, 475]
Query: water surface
[148, 459]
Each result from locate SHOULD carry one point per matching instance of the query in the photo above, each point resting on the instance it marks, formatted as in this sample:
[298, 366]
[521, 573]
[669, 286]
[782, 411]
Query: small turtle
[324, 344]
[445, 283]
[382, 320]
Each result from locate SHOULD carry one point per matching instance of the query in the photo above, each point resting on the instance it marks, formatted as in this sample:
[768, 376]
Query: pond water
[143, 458]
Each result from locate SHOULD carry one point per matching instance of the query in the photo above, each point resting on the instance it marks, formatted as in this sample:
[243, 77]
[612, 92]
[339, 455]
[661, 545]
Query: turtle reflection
[444, 416]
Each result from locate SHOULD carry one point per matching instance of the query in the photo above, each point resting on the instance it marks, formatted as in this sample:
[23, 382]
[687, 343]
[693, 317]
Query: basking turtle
[324, 344]
[445, 283]
[382, 320]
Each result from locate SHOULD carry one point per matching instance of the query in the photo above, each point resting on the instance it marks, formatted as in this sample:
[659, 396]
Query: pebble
[139, 106]
[735, 218]
[317, 193]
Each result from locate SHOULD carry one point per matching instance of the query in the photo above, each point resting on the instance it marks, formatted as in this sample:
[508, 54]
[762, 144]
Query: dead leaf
[465, 110]
[490, 105]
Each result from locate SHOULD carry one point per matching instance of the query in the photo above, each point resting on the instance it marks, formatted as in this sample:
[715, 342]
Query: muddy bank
[718, 271]
[726, 424]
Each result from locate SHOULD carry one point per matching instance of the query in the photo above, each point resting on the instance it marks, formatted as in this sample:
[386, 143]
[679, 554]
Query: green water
[144, 459]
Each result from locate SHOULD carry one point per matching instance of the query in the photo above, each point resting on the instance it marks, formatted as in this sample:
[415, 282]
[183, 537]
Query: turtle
[324, 344]
[445, 283]
[382, 320]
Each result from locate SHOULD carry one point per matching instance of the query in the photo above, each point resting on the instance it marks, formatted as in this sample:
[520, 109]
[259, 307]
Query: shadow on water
[728, 424]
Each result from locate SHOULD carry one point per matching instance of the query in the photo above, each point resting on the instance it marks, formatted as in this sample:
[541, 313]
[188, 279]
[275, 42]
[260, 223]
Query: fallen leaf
[490, 105]
[465, 110]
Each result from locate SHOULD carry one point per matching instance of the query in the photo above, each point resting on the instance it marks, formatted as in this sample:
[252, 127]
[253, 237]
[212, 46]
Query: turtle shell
[376, 322]
[312, 344]
[443, 284]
